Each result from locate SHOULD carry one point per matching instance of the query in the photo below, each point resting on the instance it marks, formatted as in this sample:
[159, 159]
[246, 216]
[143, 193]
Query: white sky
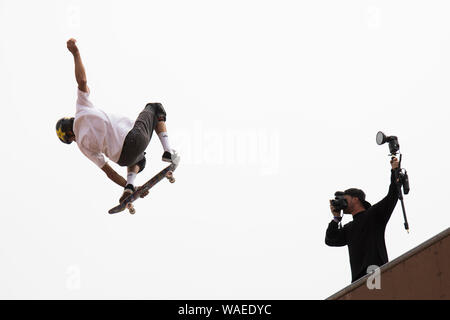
[273, 106]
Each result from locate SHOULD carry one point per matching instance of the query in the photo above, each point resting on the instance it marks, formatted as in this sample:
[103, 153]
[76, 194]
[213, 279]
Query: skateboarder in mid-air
[122, 140]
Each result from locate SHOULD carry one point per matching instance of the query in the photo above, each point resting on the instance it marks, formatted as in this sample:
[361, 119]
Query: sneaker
[167, 156]
[129, 189]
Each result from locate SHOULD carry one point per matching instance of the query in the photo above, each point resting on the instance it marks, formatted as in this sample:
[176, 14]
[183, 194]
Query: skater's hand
[72, 46]
[143, 194]
[394, 163]
[125, 195]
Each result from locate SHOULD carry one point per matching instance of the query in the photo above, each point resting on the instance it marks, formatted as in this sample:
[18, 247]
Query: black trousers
[137, 140]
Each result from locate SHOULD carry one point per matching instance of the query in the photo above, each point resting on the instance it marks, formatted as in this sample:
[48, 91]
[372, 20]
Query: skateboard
[167, 172]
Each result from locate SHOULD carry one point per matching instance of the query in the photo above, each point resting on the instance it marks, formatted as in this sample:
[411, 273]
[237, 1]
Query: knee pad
[141, 164]
[158, 109]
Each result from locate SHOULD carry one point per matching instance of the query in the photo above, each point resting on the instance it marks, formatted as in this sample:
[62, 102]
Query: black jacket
[364, 236]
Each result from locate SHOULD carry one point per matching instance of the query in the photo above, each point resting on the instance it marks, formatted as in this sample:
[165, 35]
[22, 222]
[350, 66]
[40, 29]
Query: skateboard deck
[167, 172]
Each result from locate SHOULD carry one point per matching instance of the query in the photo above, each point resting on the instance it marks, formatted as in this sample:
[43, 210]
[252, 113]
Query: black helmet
[64, 129]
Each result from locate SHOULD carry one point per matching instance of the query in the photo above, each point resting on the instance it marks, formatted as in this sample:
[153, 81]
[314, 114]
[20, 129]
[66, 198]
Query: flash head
[394, 146]
[381, 138]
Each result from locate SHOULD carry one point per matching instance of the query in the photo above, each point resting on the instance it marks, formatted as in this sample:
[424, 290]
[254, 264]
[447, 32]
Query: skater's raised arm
[80, 73]
[113, 175]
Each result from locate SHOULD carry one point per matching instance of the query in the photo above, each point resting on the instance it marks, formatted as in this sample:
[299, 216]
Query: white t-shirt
[97, 132]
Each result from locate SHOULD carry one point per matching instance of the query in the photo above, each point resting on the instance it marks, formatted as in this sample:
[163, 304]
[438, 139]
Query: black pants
[137, 140]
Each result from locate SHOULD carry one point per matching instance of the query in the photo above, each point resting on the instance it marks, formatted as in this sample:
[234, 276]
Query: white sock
[164, 138]
[130, 178]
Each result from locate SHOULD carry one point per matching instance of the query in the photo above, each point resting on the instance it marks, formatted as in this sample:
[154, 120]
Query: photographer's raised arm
[383, 209]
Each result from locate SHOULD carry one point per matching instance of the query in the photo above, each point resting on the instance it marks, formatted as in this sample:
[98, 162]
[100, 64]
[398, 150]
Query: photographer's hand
[336, 213]
[394, 163]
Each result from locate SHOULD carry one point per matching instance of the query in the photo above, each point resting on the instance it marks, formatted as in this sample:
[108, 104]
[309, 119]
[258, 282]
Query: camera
[339, 203]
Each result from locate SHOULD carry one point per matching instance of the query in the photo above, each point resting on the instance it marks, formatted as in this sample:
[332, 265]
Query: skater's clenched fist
[71, 45]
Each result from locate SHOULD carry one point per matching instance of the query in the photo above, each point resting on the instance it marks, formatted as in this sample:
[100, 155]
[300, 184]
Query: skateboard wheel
[131, 209]
[170, 177]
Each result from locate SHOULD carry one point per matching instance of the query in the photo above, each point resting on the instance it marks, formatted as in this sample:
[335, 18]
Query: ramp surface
[422, 273]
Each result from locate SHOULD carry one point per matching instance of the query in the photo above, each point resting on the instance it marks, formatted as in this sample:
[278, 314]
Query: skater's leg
[135, 169]
[153, 119]
[161, 131]
[132, 172]
[160, 127]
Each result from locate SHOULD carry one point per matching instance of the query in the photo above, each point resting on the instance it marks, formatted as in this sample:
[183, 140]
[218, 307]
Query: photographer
[364, 236]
